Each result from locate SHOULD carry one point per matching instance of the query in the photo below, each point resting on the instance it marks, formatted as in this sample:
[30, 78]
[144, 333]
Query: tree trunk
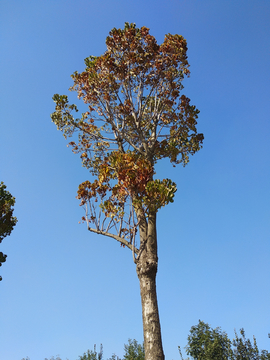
[146, 271]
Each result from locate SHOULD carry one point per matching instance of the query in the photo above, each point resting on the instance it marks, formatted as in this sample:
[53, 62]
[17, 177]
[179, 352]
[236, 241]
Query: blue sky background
[65, 289]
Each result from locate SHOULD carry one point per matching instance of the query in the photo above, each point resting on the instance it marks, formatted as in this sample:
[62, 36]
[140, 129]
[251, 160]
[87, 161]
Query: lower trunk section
[151, 325]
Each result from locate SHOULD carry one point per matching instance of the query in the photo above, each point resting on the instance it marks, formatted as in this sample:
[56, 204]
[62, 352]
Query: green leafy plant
[205, 343]
[7, 220]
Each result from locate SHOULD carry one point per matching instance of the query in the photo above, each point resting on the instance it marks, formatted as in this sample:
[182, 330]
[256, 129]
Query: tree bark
[146, 271]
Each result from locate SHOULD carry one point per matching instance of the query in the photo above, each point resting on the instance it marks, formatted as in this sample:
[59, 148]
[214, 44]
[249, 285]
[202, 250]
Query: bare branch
[116, 237]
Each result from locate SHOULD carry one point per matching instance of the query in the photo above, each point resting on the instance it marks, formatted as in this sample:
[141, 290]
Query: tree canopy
[135, 117]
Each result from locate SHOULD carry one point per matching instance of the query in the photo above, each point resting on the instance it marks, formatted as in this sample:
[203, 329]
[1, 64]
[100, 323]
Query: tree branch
[116, 237]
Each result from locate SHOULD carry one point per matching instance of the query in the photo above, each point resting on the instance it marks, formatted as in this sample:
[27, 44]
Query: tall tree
[7, 220]
[135, 117]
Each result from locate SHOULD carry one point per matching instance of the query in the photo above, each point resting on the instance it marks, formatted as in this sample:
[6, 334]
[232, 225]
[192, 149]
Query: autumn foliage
[136, 115]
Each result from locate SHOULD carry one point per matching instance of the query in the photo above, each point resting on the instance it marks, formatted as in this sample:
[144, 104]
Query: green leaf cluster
[205, 343]
[92, 355]
[133, 351]
[7, 220]
[159, 193]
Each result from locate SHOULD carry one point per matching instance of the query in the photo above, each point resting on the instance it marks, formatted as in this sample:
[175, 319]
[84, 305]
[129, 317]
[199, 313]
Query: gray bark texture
[146, 271]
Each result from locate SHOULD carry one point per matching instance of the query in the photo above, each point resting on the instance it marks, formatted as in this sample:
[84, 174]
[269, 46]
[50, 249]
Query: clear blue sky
[65, 289]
